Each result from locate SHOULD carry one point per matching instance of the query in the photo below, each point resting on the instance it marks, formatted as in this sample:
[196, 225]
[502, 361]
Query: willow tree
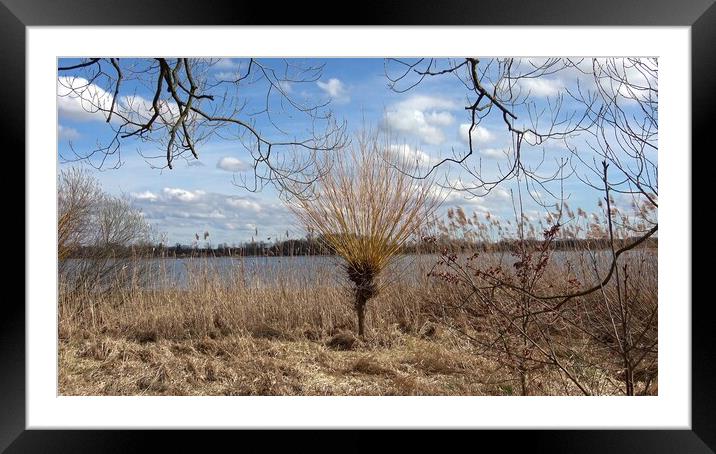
[366, 206]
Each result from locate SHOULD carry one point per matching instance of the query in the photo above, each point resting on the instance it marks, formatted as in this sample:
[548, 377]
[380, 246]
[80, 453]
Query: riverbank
[247, 365]
[425, 336]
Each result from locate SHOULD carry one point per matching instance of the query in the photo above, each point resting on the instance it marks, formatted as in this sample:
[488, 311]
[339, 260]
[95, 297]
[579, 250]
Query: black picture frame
[16, 15]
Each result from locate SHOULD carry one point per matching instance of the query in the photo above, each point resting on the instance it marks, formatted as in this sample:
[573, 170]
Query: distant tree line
[319, 246]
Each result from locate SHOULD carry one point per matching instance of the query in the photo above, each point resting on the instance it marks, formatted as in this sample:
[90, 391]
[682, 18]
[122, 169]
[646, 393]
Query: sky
[427, 122]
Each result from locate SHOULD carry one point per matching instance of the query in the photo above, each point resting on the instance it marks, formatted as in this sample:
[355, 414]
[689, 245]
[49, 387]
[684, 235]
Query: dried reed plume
[366, 207]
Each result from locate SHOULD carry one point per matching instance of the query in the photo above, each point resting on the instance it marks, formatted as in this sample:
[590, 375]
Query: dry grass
[211, 338]
[245, 334]
[245, 365]
[219, 338]
[213, 306]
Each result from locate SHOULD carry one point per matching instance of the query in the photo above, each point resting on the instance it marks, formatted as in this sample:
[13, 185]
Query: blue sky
[429, 122]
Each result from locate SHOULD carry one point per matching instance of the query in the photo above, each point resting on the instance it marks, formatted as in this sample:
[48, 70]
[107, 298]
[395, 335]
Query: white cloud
[64, 132]
[216, 214]
[140, 109]
[183, 195]
[231, 164]
[499, 194]
[227, 75]
[496, 201]
[641, 78]
[480, 134]
[424, 102]
[640, 74]
[457, 197]
[335, 89]
[80, 100]
[243, 203]
[541, 86]
[414, 122]
[410, 155]
[421, 116]
[146, 195]
[440, 118]
[531, 138]
[286, 86]
[493, 153]
[226, 63]
[228, 217]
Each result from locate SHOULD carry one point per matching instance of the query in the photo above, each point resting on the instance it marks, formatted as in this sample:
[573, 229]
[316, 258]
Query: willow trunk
[360, 305]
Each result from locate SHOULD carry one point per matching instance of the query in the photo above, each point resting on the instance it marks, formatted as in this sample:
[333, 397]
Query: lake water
[274, 271]
[262, 272]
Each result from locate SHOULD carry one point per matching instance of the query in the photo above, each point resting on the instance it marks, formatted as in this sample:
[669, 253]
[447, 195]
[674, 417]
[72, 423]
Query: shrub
[366, 206]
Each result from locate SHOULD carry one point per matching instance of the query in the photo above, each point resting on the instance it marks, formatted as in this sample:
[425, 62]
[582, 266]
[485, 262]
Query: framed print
[425, 217]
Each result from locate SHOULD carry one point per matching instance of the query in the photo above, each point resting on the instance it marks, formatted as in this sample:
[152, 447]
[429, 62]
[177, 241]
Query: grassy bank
[247, 365]
[219, 336]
